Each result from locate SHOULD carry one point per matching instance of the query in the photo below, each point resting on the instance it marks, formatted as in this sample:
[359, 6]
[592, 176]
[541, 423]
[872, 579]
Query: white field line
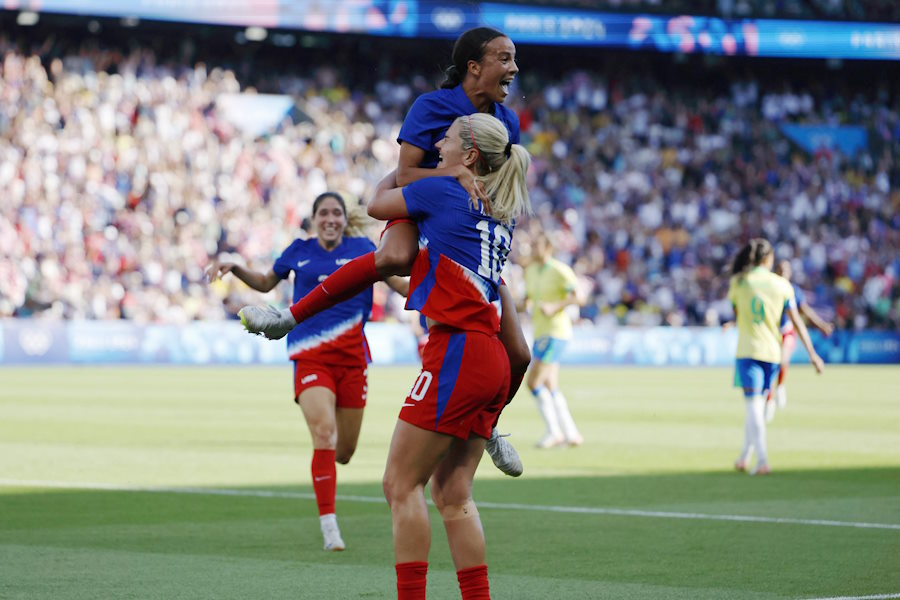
[591, 510]
[876, 597]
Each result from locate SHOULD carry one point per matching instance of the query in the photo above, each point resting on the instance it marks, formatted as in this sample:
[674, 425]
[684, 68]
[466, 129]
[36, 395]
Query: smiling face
[329, 221]
[451, 150]
[496, 69]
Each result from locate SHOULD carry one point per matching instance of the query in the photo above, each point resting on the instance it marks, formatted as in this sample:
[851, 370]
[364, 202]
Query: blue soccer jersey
[456, 277]
[334, 335]
[432, 114]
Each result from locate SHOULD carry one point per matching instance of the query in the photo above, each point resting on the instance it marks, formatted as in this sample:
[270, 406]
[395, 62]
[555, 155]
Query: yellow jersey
[759, 299]
[551, 281]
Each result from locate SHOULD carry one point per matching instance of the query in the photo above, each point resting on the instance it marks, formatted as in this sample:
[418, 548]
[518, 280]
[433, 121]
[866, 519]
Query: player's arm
[815, 319]
[398, 284]
[513, 339]
[800, 326]
[408, 171]
[388, 202]
[550, 308]
[261, 282]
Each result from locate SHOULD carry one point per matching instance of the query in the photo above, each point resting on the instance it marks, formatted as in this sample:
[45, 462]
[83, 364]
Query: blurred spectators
[120, 177]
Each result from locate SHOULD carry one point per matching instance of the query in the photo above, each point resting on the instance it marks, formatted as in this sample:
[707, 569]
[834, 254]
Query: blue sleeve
[512, 124]
[425, 196]
[798, 296]
[284, 263]
[419, 122]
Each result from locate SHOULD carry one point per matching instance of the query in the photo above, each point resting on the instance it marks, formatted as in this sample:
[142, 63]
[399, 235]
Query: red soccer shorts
[393, 222]
[348, 384]
[462, 386]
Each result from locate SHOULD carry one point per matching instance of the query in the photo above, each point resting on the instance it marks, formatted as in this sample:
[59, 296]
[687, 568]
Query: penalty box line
[590, 510]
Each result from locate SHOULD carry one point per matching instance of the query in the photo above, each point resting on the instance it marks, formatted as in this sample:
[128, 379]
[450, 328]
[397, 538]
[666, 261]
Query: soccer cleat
[762, 469]
[503, 454]
[267, 321]
[781, 396]
[550, 441]
[740, 465]
[770, 410]
[331, 533]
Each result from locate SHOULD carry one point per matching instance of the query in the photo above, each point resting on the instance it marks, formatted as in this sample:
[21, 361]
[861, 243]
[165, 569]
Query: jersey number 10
[494, 249]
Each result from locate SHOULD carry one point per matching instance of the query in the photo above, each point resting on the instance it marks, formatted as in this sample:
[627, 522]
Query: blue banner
[35, 341]
[848, 139]
[525, 24]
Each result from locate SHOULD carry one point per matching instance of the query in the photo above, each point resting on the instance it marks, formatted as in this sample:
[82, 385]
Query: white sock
[325, 520]
[545, 405]
[565, 417]
[755, 429]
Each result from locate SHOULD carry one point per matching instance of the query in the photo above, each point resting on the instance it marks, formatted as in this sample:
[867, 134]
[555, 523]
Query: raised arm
[261, 282]
[388, 202]
[408, 171]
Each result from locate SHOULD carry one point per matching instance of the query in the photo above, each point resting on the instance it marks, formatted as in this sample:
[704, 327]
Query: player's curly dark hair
[751, 255]
[469, 46]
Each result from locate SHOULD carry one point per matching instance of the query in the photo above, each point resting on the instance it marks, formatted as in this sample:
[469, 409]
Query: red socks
[411, 579]
[324, 476]
[473, 583]
[348, 281]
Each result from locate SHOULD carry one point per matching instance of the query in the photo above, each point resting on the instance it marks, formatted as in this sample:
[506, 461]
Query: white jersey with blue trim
[334, 335]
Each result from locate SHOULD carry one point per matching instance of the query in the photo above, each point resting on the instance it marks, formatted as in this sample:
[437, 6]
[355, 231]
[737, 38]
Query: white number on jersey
[420, 386]
[494, 249]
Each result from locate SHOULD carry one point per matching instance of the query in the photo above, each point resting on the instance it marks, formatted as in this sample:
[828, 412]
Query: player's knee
[395, 259]
[387, 487]
[344, 454]
[324, 436]
[458, 511]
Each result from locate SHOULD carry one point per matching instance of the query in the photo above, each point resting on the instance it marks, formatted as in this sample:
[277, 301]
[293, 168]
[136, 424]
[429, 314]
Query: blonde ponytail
[501, 165]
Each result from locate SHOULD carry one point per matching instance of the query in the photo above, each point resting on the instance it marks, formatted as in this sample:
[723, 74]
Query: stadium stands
[121, 174]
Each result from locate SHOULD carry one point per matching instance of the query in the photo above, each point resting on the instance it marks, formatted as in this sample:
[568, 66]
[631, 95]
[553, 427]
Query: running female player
[778, 395]
[464, 383]
[759, 298]
[329, 351]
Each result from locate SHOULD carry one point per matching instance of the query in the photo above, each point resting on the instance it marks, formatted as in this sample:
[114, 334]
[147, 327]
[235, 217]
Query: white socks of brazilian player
[560, 427]
[565, 419]
[755, 431]
[553, 435]
[331, 533]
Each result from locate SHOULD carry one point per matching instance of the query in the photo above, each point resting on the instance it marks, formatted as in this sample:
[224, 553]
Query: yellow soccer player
[759, 298]
[550, 287]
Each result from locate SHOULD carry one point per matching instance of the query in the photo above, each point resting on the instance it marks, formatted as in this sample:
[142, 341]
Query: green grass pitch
[166, 483]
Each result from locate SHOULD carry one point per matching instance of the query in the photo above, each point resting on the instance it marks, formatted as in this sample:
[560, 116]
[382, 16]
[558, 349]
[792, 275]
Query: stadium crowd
[121, 174]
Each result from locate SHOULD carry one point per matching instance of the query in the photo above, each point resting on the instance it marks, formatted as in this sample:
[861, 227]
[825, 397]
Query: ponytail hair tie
[508, 150]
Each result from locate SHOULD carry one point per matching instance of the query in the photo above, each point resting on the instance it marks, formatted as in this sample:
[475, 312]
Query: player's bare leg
[318, 406]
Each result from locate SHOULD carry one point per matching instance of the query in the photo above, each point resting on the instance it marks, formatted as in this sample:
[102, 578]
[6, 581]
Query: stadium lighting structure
[27, 18]
[256, 34]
